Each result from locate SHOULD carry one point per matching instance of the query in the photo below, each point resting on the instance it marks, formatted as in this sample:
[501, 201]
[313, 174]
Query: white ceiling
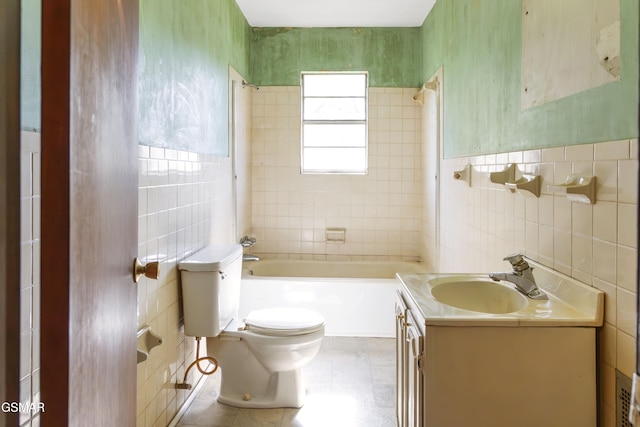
[335, 13]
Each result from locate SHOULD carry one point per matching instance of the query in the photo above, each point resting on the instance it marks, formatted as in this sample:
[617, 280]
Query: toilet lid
[284, 321]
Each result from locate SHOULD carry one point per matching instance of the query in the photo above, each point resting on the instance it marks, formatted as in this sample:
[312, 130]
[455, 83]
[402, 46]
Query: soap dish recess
[577, 188]
[335, 235]
[530, 183]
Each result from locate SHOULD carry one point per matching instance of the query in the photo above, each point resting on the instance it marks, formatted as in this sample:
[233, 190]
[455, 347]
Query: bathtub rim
[416, 267]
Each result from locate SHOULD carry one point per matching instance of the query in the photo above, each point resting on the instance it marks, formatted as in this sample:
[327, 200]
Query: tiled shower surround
[380, 210]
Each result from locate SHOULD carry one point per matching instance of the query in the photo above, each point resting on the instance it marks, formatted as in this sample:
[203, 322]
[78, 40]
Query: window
[334, 123]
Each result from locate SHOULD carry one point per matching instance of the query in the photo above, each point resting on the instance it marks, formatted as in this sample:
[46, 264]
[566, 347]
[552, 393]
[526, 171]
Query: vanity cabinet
[492, 372]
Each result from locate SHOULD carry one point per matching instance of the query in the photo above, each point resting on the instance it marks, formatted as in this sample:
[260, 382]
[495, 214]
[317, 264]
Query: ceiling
[335, 13]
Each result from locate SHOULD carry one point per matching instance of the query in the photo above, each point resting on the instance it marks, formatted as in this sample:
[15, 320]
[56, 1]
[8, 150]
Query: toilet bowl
[261, 356]
[262, 366]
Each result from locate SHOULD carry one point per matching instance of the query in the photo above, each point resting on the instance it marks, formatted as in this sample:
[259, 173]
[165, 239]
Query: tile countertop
[571, 303]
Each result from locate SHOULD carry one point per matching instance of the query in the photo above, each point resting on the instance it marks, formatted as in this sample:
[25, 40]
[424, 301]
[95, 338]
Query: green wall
[392, 56]
[478, 43]
[186, 47]
[30, 48]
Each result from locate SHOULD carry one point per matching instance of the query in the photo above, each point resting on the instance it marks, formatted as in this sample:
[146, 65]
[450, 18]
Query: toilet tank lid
[211, 258]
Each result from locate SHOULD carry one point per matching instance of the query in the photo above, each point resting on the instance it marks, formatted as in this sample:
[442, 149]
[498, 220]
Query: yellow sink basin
[482, 296]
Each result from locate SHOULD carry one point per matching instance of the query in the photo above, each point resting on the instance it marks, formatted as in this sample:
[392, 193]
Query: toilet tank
[210, 289]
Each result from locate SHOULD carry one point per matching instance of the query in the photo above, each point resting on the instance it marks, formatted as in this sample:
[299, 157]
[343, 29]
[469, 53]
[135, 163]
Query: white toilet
[260, 357]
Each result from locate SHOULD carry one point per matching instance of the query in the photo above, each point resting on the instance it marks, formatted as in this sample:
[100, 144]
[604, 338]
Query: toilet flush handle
[150, 270]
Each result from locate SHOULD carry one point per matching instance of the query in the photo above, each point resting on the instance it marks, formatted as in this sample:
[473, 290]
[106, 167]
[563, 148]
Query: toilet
[261, 356]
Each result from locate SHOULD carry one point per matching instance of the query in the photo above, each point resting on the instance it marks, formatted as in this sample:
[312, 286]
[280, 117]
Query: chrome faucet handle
[517, 262]
[247, 241]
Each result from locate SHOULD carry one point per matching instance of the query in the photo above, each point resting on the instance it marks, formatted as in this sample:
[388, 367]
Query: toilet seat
[284, 322]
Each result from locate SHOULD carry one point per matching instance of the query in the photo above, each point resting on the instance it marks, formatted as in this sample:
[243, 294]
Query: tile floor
[350, 383]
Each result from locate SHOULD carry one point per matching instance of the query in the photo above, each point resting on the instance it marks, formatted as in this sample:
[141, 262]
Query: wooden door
[9, 206]
[89, 212]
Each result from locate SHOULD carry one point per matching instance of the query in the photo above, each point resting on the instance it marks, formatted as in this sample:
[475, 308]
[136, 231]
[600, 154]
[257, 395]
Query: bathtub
[356, 297]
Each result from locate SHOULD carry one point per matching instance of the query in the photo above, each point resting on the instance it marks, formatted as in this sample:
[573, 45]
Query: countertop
[570, 303]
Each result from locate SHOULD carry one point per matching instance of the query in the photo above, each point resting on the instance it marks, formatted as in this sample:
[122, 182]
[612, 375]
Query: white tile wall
[596, 244]
[30, 274]
[184, 203]
[380, 210]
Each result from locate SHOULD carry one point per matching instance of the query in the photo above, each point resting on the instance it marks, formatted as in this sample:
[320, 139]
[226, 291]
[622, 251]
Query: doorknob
[150, 270]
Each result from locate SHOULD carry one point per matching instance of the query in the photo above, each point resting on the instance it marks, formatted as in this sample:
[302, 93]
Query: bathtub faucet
[522, 277]
[247, 241]
[250, 257]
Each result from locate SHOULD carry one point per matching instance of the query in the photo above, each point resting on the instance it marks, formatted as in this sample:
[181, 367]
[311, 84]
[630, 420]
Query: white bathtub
[355, 297]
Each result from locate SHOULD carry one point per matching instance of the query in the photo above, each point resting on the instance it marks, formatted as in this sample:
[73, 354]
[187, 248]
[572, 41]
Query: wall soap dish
[146, 341]
[464, 174]
[530, 183]
[577, 188]
[504, 176]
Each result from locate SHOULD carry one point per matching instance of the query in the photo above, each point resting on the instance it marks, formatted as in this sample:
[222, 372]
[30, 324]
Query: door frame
[10, 207]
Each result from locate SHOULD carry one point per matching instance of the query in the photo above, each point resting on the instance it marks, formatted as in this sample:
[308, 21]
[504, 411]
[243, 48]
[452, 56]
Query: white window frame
[365, 121]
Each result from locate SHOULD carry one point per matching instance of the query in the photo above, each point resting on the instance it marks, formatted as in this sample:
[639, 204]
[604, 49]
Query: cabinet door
[413, 385]
[409, 380]
[401, 310]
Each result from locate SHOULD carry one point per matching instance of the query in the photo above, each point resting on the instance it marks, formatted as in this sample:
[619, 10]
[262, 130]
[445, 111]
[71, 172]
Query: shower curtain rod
[245, 84]
[419, 97]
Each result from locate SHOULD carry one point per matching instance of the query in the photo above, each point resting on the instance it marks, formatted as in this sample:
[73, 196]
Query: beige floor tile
[350, 383]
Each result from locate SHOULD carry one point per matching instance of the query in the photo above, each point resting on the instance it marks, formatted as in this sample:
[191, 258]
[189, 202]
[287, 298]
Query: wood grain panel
[89, 205]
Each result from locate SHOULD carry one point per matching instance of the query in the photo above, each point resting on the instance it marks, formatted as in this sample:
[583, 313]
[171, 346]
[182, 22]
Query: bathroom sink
[474, 299]
[478, 295]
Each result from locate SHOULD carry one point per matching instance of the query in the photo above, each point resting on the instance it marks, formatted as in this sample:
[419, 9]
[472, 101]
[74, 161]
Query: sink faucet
[522, 277]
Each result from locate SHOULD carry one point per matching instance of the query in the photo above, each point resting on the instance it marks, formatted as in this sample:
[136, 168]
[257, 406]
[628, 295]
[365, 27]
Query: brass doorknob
[151, 270]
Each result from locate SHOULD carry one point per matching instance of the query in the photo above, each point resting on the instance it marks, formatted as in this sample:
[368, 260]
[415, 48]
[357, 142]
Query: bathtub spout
[250, 257]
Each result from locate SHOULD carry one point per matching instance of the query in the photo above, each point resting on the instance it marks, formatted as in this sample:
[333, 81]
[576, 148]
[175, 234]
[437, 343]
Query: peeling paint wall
[568, 47]
[185, 50]
[392, 56]
[479, 44]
